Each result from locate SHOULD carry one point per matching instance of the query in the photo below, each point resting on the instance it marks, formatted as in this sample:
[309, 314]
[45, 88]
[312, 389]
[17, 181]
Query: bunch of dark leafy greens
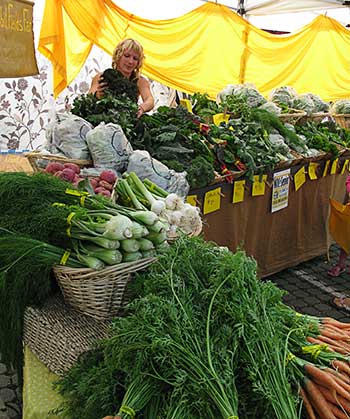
[171, 135]
[110, 108]
[202, 337]
[118, 85]
[324, 136]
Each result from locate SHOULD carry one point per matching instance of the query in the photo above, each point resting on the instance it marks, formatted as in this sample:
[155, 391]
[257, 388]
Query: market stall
[113, 211]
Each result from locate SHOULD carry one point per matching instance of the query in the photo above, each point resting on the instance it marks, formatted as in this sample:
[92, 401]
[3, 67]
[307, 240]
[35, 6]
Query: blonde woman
[127, 60]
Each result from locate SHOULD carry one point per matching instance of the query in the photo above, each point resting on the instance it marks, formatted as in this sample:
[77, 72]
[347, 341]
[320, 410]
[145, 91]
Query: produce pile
[203, 337]
[71, 172]
[45, 222]
[254, 140]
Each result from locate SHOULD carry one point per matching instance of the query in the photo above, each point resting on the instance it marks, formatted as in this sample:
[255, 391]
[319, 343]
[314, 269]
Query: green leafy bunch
[173, 334]
[117, 109]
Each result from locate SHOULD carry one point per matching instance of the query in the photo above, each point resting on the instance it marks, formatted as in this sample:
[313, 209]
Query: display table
[284, 238]
[39, 398]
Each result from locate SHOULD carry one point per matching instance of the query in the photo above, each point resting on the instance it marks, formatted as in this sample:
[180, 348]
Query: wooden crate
[14, 162]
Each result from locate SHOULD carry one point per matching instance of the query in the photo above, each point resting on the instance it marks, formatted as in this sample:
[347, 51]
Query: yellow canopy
[201, 51]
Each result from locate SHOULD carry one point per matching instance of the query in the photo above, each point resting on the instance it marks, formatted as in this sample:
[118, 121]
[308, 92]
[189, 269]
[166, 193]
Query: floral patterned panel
[27, 104]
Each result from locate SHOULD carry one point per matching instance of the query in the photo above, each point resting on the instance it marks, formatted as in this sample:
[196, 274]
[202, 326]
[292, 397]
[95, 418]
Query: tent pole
[241, 10]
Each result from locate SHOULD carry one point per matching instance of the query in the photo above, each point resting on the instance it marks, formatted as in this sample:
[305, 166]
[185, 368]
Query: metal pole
[241, 9]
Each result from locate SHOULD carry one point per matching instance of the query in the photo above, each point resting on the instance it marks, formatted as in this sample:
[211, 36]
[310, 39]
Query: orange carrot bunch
[326, 389]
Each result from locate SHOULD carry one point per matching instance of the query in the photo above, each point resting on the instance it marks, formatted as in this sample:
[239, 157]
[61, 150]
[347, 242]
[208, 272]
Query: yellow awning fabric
[201, 51]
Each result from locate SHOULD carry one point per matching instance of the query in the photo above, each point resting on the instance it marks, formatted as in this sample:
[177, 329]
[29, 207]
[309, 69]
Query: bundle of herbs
[25, 279]
[188, 328]
[323, 136]
[204, 107]
[239, 142]
[164, 336]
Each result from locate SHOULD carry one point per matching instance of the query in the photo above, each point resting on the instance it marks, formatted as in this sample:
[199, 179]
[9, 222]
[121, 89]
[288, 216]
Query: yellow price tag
[312, 170]
[259, 185]
[192, 199]
[334, 166]
[299, 178]
[326, 167]
[186, 104]
[212, 201]
[345, 166]
[238, 191]
[220, 117]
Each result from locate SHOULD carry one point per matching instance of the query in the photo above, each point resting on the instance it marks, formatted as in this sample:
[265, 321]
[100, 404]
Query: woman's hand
[140, 111]
[98, 86]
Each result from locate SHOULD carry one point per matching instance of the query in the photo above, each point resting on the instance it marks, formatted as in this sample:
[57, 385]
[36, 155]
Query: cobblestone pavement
[10, 397]
[310, 291]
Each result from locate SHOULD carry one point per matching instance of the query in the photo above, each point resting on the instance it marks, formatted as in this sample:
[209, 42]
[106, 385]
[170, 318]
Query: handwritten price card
[259, 185]
[186, 104]
[212, 201]
[334, 166]
[220, 117]
[345, 166]
[192, 199]
[238, 191]
[326, 167]
[312, 170]
[299, 178]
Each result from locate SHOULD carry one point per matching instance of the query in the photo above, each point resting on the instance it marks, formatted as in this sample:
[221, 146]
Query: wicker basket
[316, 117]
[293, 117]
[297, 159]
[99, 294]
[35, 157]
[59, 335]
[342, 119]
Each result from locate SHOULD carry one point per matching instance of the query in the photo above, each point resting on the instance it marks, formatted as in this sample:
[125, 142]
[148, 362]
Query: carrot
[341, 382]
[332, 397]
[336, 330]
[341, 366]
[340, 374]
[340, 347]
[307, 404]
[332, 334]
[338, 413]
[317, 399]
[326, 379]
[330, 320]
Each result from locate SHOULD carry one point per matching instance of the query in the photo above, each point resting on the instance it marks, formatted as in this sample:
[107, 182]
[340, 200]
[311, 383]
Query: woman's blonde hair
[128, 44]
